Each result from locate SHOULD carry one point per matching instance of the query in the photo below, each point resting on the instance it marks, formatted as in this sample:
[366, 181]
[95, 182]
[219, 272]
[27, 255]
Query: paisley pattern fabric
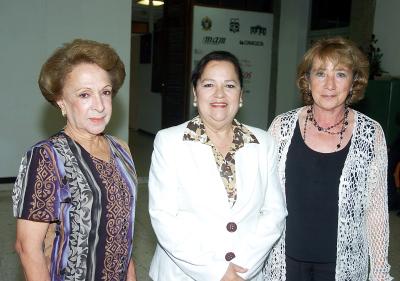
[116, 212]
[363, 228]
[89, 204]
[196, 131]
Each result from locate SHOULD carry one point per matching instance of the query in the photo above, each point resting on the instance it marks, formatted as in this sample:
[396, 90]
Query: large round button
[231, 227]
[229, 256]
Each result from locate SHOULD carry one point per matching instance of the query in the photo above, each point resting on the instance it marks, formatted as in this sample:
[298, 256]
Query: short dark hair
[340, 51]
[216, 56]
[63, 60]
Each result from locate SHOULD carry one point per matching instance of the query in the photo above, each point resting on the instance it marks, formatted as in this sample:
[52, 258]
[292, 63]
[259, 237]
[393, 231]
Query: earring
[63, 113]
[195, 104]
[240, 104]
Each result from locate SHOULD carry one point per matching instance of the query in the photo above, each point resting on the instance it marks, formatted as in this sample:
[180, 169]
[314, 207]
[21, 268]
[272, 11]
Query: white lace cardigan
[363, 229]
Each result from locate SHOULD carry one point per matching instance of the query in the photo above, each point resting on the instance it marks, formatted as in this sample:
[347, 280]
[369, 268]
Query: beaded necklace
[344, 121]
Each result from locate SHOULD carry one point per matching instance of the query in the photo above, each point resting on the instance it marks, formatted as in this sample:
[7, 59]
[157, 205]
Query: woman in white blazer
[214, 197]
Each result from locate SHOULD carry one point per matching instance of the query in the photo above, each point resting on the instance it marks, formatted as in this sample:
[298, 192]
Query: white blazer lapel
[207, 174]
[247, 173]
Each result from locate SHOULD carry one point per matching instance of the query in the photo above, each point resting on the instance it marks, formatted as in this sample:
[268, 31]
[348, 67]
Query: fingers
[238, 268]
[231, 273]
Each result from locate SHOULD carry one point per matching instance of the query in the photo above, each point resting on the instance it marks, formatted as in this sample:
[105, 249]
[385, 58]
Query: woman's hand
[231, 273]
[131, 276]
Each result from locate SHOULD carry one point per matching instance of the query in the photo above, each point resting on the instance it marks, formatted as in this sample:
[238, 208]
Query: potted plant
[375, 58]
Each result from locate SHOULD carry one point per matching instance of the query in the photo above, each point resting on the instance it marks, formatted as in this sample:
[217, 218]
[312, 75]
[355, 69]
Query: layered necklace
[344, 124]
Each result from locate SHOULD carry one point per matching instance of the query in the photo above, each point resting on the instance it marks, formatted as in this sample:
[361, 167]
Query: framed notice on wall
[248, 35]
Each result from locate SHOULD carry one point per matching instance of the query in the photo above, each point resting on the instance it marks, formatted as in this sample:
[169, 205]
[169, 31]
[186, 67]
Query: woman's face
[330, 84]
[218, 94]
[87, 99]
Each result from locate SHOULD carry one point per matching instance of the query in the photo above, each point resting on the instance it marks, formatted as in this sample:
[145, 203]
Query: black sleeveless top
[312, 194]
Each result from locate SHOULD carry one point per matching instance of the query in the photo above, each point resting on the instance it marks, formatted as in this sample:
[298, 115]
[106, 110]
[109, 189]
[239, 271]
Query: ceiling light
[147, 2]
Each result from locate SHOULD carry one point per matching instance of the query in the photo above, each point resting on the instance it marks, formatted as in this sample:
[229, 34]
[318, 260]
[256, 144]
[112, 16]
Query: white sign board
[247, 35]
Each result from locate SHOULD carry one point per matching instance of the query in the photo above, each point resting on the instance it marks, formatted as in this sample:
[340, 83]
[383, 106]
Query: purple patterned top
[89, 204]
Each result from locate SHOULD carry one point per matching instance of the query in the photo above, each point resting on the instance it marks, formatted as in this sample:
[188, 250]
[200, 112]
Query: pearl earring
[240, 104]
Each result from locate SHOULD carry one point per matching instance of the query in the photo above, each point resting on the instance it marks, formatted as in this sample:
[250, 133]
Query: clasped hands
[231, 273]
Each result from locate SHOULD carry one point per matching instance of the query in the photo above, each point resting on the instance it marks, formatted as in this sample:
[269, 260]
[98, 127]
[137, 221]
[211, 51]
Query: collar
[196, 131]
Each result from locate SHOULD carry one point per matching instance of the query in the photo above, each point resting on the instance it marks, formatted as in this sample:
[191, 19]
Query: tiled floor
[141, 145]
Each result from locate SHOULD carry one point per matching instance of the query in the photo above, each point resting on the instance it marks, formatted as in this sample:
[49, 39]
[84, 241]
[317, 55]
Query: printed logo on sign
[251, 43]
[206, 23]
[247, 75]
[214, 40]
[246, 63]
[258, 30]
[234, 25]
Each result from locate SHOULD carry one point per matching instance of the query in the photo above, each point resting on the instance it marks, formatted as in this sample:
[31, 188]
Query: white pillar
[294, 26]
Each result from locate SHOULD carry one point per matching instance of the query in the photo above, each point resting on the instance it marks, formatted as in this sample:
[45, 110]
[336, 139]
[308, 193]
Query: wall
[30, 31]
[361, 25]
[386, 29]
[293, 28]
[148, 103]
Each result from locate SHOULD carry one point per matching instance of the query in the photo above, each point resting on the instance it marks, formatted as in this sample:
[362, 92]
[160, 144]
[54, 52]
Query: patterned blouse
[89, 204]
[196, 131]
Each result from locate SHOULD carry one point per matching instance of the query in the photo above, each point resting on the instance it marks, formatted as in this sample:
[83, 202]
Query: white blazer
[189, 208]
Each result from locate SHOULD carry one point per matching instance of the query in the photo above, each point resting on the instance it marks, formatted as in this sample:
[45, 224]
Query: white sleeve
[377, 212]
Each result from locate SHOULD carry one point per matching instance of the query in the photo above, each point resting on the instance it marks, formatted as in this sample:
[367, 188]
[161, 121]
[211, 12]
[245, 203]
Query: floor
[141, 146]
